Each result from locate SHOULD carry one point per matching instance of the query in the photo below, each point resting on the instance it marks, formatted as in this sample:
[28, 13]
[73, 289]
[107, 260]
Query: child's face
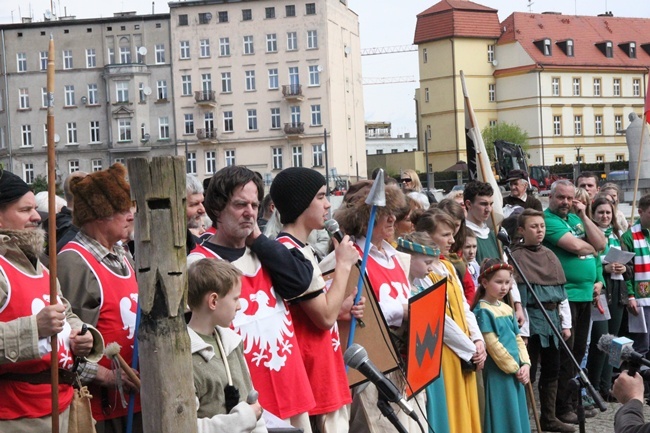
[420, 266]
[497, 285]
[469, 249]
[533, 231]
[227, 306]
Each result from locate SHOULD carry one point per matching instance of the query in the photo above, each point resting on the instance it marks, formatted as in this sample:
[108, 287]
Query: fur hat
[293, 190]
[101, 194]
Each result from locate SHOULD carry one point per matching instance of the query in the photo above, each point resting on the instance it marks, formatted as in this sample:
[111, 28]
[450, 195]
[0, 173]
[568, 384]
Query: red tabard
[390, 284]
[270, 345]
[322, 355]
[119, 304]
[26, 296]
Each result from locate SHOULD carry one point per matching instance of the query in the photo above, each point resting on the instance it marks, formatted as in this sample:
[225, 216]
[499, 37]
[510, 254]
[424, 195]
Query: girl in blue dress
[507, 366]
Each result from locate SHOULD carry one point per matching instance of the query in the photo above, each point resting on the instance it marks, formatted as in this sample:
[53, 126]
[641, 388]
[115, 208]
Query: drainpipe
[9, 135]
[541, 118]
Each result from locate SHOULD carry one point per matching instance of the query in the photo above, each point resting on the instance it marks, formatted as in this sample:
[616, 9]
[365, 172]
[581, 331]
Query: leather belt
[43, 377]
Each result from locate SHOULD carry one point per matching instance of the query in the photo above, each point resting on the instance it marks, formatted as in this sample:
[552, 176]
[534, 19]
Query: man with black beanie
[299, 196]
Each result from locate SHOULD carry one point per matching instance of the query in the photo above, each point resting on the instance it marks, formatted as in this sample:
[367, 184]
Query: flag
[478, 162]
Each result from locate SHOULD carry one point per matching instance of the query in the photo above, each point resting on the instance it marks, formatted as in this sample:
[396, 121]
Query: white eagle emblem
[63, 338]
[267, 331]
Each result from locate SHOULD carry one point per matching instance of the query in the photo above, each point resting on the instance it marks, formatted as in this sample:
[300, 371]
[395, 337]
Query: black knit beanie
[12, 187]
[293, 190]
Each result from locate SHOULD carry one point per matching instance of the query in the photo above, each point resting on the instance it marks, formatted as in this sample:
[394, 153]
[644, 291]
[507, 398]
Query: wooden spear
[51, 191]
[638, 167]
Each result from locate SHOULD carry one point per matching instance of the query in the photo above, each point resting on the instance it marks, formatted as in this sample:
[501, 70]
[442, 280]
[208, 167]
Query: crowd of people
[263, 318]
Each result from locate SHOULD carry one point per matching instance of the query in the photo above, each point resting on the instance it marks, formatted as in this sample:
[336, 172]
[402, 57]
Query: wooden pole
[51, 191]
[638, 169]
[158, 187]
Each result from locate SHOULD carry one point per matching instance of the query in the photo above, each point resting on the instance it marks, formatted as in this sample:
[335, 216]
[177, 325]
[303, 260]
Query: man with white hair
[194, 209]
[518, 181]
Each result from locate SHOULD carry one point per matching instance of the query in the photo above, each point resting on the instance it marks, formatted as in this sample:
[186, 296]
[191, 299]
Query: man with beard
[271, 273]
[575, 240]
[27, 320]
[98, 277]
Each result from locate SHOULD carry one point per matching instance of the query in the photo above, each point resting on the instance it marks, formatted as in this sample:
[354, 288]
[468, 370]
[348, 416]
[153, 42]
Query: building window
[426, 94]
[577, 125]
[295, 114]
[28, 173]
[555, 86]
[125, 55]
[576, 87]
[251, 118]
[23, 99]
[618, 123]
[224, 47]
[205, 17]
[73, 166]
[68, 91]
[250, 80]
[94, 131]
[314, 75]
[636, 87]
[91, 58]
[269, 13]
[71, 132]
[492, 92]
[290, 10]
[609, 52]
[21, 59]
[26, 136]
[559, 160]
[275, 118]
[294, 76]
[228, 125]
[93, 93]
[292, 41]
[120, 160]
[317, 155]
[425, 55]
[596, 86]
[312, 39]
[163, 127]
[185, 50]
[210, 162]
[191, 163]
[600, 158]
[223, 16]
[617, 87]
[189, 123]
[230, 157]
[67, 59]
[246, 15]
[161, 88]
[296, 156]
[208, 121]
[96, 164]
[206, 83]
[310, 9]
[44, 97]
[226, 84]
[159, 50]
[492, 122]
[557, 125]
[277, 158]
[273, 79]
[43, 60]
[620, 157]
[569, 48]
[186, 85]
[122, 89]
[490, 53]
[182, 20]
[248, 45]
[547, 47]
[124, 129]
[271, 43]
[111, 56]
[598, 125]
[315, 115]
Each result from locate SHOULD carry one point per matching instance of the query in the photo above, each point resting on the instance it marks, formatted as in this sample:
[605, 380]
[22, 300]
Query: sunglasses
[405, 180]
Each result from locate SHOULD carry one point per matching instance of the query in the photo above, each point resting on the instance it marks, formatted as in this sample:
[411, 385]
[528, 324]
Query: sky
[383, 23]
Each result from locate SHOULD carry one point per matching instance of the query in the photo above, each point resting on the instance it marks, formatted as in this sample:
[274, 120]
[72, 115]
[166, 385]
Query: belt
[550, 306]
[43, 377]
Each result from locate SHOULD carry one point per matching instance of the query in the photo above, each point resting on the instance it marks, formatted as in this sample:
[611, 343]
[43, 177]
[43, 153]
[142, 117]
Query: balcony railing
[294, 128]
[206, 134]
[292, 91]
[205, 96]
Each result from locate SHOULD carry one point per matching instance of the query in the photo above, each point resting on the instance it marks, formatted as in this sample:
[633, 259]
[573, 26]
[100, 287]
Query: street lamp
[427, 136]
[577, 148]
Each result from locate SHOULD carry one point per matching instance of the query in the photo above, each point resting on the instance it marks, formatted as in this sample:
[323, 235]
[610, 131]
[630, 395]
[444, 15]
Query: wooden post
[167, 393]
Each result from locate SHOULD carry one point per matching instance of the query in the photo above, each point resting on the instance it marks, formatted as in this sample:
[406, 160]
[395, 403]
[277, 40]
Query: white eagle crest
[268, 330]
[63, 338]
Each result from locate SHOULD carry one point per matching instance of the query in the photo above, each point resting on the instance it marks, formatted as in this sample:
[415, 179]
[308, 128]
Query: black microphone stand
[581, 382]
[386, 410]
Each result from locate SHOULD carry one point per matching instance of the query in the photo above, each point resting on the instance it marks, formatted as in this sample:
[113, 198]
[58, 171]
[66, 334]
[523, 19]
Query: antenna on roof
[530, 5]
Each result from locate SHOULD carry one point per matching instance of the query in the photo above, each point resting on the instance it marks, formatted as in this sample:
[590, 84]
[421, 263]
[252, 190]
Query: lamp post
[426, 157]
[578, 148]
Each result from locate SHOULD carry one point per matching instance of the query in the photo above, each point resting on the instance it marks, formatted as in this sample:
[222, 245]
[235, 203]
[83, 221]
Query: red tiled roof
[459, 18]
[586, 32]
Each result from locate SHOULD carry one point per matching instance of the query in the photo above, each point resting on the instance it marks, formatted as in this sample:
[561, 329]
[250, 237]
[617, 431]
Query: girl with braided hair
[507, 366]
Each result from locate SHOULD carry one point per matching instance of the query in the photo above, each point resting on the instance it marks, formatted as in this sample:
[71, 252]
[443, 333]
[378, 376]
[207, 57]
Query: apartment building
[257, 83]
[569, 81]
[112, 96]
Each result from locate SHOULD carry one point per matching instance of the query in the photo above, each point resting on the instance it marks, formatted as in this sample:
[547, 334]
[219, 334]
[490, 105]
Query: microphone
[332, 227]
[357, 357]
[620, 349]
[503, 236]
